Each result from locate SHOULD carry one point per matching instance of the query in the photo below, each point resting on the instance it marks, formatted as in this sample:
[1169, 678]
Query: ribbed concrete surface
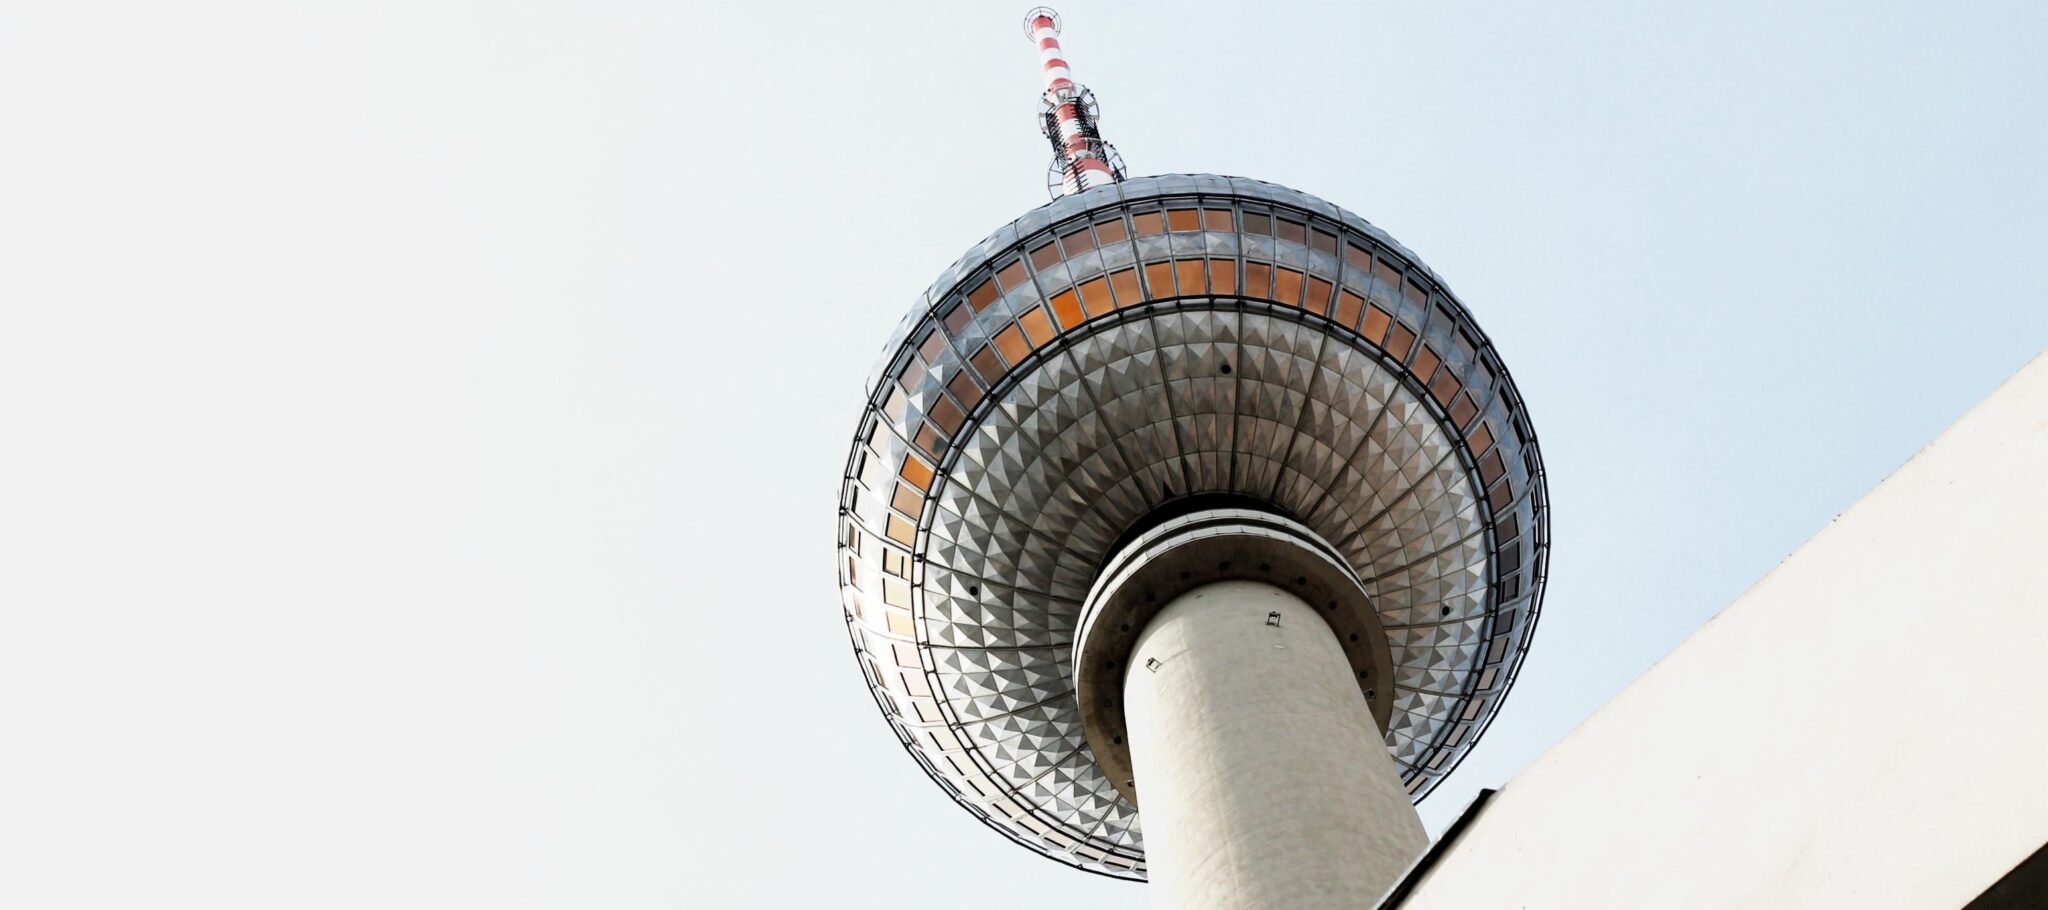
[1262, 779]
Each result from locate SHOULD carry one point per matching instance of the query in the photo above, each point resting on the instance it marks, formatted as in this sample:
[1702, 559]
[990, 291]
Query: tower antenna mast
[1080, 158]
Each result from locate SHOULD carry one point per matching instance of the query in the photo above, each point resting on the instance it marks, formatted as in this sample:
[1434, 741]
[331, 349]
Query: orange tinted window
[893, 405]
[963, 389]
[917, 472]
[1216, 219]
[1348, 307]
[1490, 469]
[1481, 438]
[1148, 223]
[1183, 220]
[956, 318]
[1425, 363]
[1095, 296]
[946, 414]
[1067, 306]
[1358, 258]
[1012, 276]
[1159, 278]
[982, 295]
[1077, 242]
[1462, 410]
[1125, 283]
[1415, 293]
[1376, 322]
[1318, 299]
[1401, 343]
[1321, 241]
[1045, 256]
[1011, 342]
[1444, 386]
[913, 373]
[1111, 231]
[1288, 230]
[1189, 273]
[901, 531]
[1255, 223]
[928, 440]
[1223, 276]
[1386, 272]
[1287, 286]
[988, 365]
[907, 500]
[1258, 280]
[932, 347]
[1037, 328]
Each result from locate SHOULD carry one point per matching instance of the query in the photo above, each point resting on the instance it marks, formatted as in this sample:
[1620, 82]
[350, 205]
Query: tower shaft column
[1261, 776]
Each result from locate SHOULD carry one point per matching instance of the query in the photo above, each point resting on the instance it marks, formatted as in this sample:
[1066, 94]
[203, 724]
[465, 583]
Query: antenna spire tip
[1040, 12]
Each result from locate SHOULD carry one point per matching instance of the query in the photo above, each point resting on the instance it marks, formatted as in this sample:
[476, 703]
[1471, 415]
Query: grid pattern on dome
[1125, 346]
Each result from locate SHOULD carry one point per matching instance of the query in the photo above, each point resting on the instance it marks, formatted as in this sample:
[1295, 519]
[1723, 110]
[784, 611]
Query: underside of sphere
[1135, 347]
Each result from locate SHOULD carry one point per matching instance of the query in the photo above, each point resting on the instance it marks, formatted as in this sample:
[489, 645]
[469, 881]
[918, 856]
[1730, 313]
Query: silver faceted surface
[1121, 348]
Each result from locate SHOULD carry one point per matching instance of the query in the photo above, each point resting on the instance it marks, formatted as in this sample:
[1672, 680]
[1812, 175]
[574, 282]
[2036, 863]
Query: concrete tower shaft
[1254, 753]
[1228, 670]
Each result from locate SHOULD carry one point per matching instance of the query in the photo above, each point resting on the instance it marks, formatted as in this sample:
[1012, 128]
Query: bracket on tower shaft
[1081, 159]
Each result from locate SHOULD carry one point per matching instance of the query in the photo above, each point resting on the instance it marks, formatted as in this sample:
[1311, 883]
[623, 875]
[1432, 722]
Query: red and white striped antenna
[1080, 159]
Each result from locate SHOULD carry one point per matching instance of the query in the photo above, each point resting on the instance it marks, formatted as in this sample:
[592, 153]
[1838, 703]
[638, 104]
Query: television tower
[1200, 495]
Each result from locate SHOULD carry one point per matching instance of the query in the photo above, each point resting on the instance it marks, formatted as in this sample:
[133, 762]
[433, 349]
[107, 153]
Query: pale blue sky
[424, 420]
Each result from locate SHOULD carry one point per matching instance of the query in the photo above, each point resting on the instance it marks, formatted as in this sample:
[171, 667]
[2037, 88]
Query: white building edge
[1865, 727]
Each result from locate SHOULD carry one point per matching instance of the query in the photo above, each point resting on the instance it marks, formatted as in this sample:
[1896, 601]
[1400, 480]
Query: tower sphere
[1118, 370]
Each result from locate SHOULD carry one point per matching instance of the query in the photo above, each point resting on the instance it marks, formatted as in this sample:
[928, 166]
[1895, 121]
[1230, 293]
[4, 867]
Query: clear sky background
[420, 424]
